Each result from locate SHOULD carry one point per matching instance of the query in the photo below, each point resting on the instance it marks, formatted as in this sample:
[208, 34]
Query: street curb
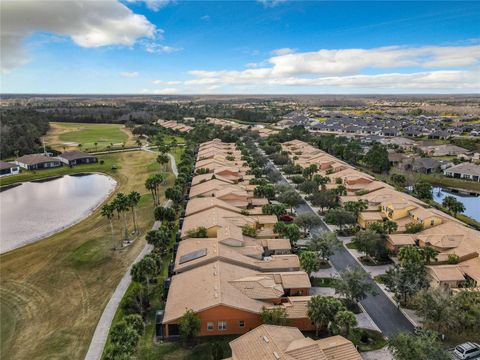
[369, 318]
[384, 291]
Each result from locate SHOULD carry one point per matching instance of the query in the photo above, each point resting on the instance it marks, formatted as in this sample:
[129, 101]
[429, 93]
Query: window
[222, 325]
[241, 323]
[432, 222]
[210, 326]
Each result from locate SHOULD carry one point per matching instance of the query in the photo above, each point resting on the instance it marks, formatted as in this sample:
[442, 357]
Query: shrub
[413, 228]
[199, 232]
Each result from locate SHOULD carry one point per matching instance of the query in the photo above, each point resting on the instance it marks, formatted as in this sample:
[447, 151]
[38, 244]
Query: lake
[471, 203]
[35, 210]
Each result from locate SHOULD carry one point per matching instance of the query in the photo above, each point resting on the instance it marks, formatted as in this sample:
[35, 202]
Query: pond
[471, 203]
[35, 210]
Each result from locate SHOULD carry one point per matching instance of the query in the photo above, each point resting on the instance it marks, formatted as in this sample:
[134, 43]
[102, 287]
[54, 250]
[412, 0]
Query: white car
[466, 351]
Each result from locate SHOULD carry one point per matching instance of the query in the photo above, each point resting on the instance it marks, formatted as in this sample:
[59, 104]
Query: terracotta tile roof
[271, 342]
[296, 307]
[248, 254]
[446, 272]
[258, 287]
[207, 286]
[205, 177]
[212, 185]
[371, 215]
[401, 239]
[201, 204]
[338, 348]
[214, 217]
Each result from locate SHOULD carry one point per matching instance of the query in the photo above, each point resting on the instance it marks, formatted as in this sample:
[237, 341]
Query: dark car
[286, 218]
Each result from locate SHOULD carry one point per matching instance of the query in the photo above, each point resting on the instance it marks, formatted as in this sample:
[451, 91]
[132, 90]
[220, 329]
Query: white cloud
[162, 82]
[283, 51]
[88, 23]
[164, 91]
[153, 5]
[154, 48]
[393, 69]
[205, 18]
[128, 74]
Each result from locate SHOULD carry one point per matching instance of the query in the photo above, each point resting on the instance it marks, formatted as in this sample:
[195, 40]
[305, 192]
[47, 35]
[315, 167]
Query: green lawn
[70, 135]
[323, 282]
[52, 292]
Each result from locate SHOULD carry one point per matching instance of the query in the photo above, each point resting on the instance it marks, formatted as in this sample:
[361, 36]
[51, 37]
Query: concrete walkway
[382, 354]
[99, 338]
[100, 335]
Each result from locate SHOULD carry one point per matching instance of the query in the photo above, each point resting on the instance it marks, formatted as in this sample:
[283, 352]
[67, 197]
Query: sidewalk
[100, 335]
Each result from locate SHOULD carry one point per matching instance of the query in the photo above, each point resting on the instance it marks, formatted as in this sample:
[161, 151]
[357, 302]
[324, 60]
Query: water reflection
[35, 210]
[472, 203]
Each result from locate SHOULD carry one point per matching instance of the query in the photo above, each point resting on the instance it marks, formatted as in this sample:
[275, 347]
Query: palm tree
[95, 144]
[346, 320]
[153, 183]
[108, 211]
[122, 206]
[133, 200]
[163, 160]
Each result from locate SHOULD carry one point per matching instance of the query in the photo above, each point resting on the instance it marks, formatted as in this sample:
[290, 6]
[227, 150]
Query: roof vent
[265, 339]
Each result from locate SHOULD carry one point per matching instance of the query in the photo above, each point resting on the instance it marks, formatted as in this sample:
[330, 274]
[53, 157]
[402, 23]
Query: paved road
[380, 308]
[100, 335]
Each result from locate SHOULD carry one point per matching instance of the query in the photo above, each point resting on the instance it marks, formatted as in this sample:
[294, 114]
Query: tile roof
[271, 342]
[338, 348]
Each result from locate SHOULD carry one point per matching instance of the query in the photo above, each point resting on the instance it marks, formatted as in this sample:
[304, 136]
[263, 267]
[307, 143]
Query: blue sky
[166, 47]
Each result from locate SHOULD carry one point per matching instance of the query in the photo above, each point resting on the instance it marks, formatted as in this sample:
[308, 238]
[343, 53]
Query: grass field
[52, 292]
[68, 136]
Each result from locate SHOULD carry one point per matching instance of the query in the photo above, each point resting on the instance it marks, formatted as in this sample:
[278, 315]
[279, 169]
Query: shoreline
[83, 216]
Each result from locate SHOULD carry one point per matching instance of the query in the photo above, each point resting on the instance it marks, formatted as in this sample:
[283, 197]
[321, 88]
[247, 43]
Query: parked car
[286, 218]
[468, 350]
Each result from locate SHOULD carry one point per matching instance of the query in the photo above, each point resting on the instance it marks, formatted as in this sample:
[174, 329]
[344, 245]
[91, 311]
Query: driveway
[383, 312]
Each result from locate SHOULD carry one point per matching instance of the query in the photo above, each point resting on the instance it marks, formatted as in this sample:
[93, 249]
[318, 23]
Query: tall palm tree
[153, 183]
[108, 211]
[163, 160]
[121, 205]
[133, 200]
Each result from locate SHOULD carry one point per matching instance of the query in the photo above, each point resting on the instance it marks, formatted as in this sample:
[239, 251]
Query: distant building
[443, 150]
[76, 158]
[37, 161]
[7, 168]
[467, 171]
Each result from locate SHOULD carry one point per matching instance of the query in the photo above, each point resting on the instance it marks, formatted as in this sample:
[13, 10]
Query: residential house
[7, 168]
[37, 161]
[229, 298]
[466, 171]
[77, 157]
[272, 342]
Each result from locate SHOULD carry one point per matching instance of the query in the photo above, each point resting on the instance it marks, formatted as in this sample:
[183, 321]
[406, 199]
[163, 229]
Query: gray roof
[6, 165]
[75, 155]
[32, 159]
[465, 168]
